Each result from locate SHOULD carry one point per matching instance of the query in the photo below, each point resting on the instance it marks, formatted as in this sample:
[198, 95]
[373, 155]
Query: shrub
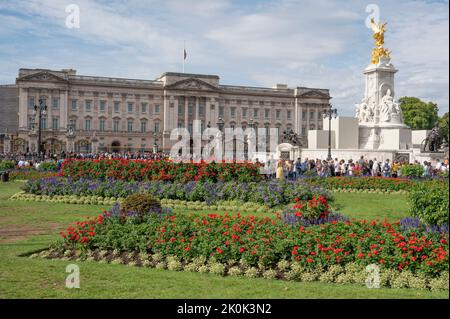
[412, 170]
[47, 167]
[140, 205]
[6, 165]
[429, 202]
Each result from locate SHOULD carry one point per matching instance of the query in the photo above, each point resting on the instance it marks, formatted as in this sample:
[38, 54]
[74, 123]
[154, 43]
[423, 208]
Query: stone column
[7, 144]
[63, 110]
[23, 108]
[186, 111]
[196, 110]
[166, 114]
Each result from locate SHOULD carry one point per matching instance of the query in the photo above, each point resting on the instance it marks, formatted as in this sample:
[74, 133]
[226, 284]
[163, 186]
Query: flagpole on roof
[184, 54]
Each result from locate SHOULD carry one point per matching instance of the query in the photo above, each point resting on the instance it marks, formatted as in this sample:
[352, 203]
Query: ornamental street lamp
[39, 111]
[220, 124]
[330, 112]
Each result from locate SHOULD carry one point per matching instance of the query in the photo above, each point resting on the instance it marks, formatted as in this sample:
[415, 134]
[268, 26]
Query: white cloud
[319, 43]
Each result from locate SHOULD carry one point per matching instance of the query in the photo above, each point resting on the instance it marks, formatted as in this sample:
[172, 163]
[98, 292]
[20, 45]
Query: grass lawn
[29, 226]
[393, 207]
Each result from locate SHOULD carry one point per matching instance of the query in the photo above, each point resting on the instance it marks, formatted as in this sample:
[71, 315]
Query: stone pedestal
[318, 139]
[346, 132]
[376, 137]
[418, 137]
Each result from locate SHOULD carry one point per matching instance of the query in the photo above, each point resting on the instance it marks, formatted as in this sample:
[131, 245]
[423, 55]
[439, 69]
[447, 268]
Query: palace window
[190, 109]
[157, 109]
[255, 113]
[74, 105]
[232, 111]
[180, 109]
[130, 107]
[88, 106]
[30, 123]
[116, 107]
[55, 123]
[304, 115]
[116, 125]
[156, 127]
[31, 102]
[102, 106]
[201, 110]
[143, 127]
[221, 110]
[102, 125]
[144, 108]
[289, 114]
[278, 114]
[44, 123]
[267, 113]
[303, 130]
[87, 125]
[244, 112]
[311, 115]
[55, 103]
[73, 123]
[130, 126]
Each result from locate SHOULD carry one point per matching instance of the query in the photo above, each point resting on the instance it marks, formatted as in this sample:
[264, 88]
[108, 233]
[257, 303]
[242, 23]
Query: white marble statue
[390, 111]
[364, 112]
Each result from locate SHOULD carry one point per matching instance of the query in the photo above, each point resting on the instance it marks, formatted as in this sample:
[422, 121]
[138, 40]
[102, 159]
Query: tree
[443, 124]
[418, 114]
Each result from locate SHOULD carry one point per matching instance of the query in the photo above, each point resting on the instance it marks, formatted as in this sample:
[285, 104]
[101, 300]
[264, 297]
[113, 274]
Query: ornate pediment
[43, 76]
[192, 84]
[315, 94]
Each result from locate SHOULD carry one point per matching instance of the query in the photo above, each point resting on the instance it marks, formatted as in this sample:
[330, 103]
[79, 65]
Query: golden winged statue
[378, 34]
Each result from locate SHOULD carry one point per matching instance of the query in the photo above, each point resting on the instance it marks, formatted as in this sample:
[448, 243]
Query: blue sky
[317, 43]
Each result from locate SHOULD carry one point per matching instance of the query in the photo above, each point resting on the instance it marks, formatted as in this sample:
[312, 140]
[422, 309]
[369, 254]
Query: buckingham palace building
[95, 114]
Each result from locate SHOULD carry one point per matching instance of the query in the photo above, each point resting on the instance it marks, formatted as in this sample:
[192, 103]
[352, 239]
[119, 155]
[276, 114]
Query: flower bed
[160, 170]
[270, 194]
[366, 183]
[31, 174]
[337, 251]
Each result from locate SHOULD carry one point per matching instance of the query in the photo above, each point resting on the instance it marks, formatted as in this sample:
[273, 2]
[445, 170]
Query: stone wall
[9, 106]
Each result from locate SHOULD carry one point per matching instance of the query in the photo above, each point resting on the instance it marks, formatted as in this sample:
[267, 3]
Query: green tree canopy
[417, 114]
[443, 124]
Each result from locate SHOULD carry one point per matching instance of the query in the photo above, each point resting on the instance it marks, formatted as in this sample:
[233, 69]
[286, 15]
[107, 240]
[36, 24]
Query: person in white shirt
[438, 165]
[375, 167]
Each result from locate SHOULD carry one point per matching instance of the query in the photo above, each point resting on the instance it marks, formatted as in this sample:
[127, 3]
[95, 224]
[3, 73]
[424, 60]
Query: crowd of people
[288, 169]
[280, 169]
[28, 160]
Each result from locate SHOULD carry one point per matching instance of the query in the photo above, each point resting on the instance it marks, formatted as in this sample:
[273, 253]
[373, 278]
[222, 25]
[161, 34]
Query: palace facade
[88, 113]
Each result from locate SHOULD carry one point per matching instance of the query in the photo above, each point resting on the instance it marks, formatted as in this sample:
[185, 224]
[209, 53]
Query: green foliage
[47, 167]
[429, 202]
[444, 127]
[412, 170]
[6, 165]
[140, 204]
[418, 114]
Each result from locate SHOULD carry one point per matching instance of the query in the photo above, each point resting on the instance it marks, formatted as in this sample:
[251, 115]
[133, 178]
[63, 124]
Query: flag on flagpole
[184, 54]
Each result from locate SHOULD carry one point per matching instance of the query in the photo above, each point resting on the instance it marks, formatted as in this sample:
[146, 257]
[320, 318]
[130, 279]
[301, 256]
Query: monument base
[392, 137]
